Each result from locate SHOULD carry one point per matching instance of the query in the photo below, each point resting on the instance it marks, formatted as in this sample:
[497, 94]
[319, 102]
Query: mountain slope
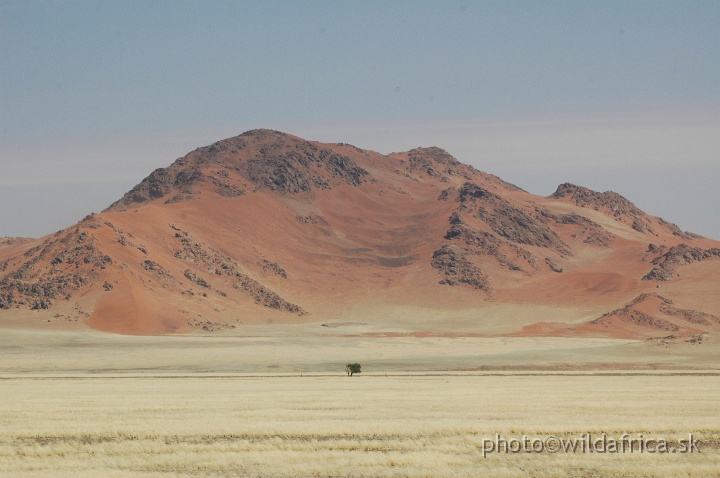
[266, 227]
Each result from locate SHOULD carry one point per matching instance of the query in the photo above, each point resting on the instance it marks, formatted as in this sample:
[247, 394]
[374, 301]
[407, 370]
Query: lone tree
[352, 368]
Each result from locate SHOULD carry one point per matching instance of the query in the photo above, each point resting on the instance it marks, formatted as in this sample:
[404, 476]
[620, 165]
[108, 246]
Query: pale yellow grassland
[312, 348]
[369, 425]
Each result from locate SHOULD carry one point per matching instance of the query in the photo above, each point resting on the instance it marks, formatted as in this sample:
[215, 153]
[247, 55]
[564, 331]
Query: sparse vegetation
[352, 369]
[409, 426]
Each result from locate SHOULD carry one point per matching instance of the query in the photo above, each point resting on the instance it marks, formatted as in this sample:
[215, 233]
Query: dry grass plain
[403, 425]
[279, 404]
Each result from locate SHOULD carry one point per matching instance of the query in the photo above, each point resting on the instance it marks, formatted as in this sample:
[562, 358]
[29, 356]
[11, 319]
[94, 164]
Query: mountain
[268, 228]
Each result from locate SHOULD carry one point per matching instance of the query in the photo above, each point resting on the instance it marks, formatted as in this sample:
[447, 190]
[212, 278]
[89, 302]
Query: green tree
[352, 368]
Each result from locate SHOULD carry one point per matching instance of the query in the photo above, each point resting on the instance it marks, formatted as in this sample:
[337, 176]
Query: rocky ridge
[54, 270]
[617, 206]
[667, 264]
[631, 313]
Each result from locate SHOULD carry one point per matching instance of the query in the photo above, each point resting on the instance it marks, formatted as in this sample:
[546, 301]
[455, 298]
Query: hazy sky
[621, 96]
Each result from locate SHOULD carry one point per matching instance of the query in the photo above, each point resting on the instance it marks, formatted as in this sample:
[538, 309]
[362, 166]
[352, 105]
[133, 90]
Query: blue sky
[620, 96]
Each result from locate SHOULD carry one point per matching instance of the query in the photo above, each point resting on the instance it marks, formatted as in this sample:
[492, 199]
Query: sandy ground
[312, 348]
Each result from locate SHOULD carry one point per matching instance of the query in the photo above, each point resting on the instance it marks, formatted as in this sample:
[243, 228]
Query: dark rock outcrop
[584, 197]
[271, 160]
[192, 276]
[153, 266]
[263, 295]
[160, 183]
[485, 243]
[553, 267]
[274, 268]
[54, 270]
[666, 265]
[452, 262]
[665, 306]
[437, 163]
[590, 231]
[615, 204]
[220, 265]
[507, 220]
[300, 170]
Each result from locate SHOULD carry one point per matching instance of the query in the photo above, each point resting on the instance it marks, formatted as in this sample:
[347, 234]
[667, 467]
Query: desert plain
[276, 402]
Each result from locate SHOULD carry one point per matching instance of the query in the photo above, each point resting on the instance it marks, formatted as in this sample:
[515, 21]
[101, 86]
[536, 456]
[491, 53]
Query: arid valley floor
[277, 402]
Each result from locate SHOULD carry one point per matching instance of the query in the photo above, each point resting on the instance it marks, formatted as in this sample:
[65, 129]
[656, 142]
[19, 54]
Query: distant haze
[612, 96]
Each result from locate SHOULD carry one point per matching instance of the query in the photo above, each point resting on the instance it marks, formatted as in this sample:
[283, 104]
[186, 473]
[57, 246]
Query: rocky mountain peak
[268, 159]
